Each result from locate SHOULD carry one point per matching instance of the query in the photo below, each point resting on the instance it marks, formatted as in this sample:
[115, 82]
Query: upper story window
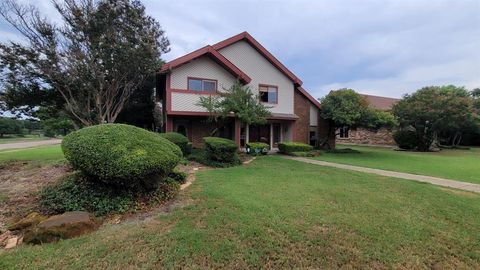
[198, 84]
[268, 93]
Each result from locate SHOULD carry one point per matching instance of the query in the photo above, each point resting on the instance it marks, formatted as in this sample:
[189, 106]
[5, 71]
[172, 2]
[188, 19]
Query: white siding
[313, 116]
[261, 71]
[186, 102]
[202, 67]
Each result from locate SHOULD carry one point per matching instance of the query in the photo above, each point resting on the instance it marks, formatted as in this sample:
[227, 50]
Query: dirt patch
[19, 183]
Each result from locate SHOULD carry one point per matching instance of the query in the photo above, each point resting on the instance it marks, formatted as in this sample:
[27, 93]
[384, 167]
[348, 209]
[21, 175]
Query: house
[382, 136]
[213, 68]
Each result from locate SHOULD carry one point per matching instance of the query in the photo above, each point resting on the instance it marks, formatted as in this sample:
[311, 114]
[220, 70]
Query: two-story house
[213, 68]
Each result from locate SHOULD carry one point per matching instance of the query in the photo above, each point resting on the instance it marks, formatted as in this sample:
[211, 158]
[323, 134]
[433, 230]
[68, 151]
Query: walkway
[415, 177]
[28, 144]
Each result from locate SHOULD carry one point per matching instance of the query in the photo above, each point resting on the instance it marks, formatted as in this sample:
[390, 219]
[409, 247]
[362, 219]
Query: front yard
[461, 165]
[277, 213]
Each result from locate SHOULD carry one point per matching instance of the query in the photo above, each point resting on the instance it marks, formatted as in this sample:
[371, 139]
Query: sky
[379, 47]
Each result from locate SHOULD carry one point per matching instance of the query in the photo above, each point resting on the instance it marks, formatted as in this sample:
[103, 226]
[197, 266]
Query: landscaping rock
[65, 226]
[11, 243]
[30, 220]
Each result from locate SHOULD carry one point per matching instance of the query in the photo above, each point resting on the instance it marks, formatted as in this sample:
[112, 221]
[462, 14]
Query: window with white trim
[268, 93]
[198, 84]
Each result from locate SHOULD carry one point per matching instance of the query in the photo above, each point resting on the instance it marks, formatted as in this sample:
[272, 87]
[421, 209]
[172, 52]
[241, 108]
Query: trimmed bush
[257, 148]
[120, 154]
[180, 177]
[180, 140]
[289, 147]
[221, 150]
[406, 139]
[77, 193]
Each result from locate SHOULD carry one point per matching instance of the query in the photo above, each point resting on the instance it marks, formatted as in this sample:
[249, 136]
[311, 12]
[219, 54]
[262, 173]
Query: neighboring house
[213, 68]
[382, 136]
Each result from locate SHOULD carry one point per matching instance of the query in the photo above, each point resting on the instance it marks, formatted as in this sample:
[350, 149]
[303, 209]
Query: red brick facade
[301, 107]
[302, 126]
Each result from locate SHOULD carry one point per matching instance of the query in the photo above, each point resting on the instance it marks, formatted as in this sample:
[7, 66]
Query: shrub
[120, 154]
[180, 140]
[257, 148]
[289, 147]
[406, 139]
[178, 176]
[220, 149]
[76, 193]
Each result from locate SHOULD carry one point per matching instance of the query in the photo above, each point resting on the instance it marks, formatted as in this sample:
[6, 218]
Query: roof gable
[245, 36]
[214, 55]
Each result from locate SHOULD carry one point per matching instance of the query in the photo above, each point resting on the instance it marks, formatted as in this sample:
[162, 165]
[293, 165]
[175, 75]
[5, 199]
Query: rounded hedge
[290, 147]
[118, 153]
[220, 149]
[180, 140]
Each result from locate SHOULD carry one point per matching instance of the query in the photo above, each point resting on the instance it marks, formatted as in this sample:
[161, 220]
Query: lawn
[462, 165]
[43, 154]
[277, 213]
[25, 138]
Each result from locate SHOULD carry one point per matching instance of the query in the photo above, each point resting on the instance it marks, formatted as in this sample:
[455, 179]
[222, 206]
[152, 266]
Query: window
[344, 132]
[197, 84]
[268, 93]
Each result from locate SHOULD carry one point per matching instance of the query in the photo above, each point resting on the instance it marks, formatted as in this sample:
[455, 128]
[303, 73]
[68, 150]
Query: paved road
[29, 144]
[415, 177]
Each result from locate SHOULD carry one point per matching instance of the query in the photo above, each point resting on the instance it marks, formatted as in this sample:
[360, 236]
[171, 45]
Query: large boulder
[30, 220]
[121, 154]
[64, 226]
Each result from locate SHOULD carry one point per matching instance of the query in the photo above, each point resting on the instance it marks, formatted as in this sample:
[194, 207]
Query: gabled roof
[309, 97]
[380, 103]
[212, 52]
[214, 55]
[245, 36]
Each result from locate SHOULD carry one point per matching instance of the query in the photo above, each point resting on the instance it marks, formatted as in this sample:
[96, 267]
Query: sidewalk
[29, 144]
[419, 178]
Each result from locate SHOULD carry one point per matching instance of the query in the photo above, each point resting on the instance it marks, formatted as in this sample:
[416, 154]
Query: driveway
[18, 145]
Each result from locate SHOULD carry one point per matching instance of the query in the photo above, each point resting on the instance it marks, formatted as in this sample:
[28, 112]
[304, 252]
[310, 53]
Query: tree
[436, 111]
[238, 100]
[9, 126]
[93, 62]
[345, 107]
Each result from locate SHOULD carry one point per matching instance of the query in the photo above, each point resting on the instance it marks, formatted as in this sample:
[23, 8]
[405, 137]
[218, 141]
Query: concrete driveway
[18, 145]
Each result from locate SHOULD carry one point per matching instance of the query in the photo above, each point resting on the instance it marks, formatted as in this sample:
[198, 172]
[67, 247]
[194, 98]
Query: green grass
[43, 154]
[25, 138]
[277, 213]
[462, 165]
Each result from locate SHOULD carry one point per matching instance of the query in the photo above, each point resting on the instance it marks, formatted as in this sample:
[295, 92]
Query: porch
[197, 127]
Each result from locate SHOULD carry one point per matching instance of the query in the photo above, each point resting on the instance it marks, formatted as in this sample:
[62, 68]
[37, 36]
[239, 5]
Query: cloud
[383, 47]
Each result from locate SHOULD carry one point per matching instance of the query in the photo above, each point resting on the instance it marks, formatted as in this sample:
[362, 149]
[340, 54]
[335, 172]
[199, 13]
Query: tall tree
[345, 107]
[101, 53]
[433, 111]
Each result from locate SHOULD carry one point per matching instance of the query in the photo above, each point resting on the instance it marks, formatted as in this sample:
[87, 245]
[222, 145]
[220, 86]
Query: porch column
[237, 132]
[247, 134]
[271, 136]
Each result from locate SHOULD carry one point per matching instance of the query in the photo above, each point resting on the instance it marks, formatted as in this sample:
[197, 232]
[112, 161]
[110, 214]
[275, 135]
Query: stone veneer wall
[382, 136]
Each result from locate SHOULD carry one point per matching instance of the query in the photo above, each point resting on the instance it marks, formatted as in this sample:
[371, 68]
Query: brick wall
[302, 125]
[382, 136]
[301, 107]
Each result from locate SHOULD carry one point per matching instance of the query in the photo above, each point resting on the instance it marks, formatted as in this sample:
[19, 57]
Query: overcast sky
[379, 47]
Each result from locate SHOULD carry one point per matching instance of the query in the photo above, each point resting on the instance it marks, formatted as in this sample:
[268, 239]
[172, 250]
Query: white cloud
[384, 47]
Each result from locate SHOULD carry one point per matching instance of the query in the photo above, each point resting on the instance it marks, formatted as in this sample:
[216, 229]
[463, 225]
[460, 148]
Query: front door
[276, 134]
